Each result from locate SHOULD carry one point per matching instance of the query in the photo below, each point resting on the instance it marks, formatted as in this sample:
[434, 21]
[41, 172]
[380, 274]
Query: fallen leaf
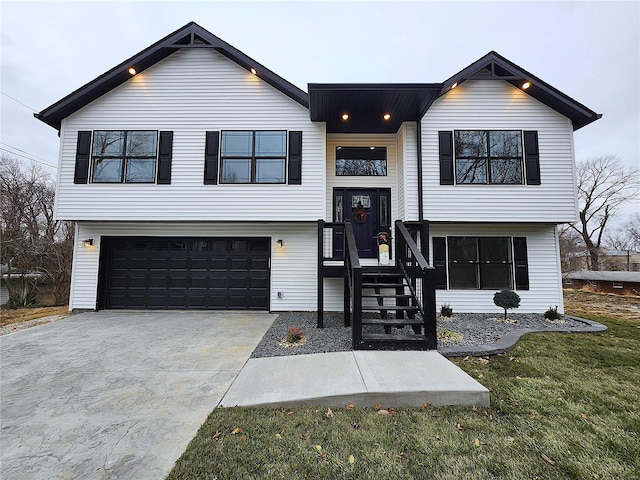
[477, 442]
[350, 406]
[466, 359]
[216, 436]
[319, 448]
[458, 427]
[481, 376]
[377, 407]
[584, 416]
[278, 436]
[355, 425]
[511, 439]
[400, 456]
[474, 409]
[302, 437]
[547, 459]
[351, 459]
[329, 413]
[392, 410]
[426, 405]
[236, 431]
[383, 412]
[484, 361]
[289, 413]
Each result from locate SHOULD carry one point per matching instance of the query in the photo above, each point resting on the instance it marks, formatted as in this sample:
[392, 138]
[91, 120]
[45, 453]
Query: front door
[369, 210]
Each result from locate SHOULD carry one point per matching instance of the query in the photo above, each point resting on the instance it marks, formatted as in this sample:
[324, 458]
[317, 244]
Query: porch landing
[364, 378]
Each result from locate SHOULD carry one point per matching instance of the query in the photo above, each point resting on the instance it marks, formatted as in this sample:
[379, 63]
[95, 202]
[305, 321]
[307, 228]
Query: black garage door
[184, 273]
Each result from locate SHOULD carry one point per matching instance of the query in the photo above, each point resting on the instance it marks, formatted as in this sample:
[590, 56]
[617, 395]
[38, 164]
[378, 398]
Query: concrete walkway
[115, 395]
[364, 378]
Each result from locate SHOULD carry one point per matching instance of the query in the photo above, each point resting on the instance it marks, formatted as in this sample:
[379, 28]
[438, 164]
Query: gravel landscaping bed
[463, 329]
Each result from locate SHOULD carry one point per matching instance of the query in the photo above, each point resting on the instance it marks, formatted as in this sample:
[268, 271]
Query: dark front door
[369, 210]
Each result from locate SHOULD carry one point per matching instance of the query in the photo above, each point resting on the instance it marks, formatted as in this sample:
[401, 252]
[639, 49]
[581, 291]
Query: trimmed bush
[506, 299]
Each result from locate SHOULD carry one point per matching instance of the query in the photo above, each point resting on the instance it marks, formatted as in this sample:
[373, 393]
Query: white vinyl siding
[497, 105]
[190, 92]
[293, 267]
[408, 172]
[545, 281]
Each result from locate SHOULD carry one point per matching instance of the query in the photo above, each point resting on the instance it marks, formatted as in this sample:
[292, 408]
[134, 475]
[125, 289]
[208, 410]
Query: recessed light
[372, 148]
[526, 85]
[345, 116]
[386, 116]
[132, 71]
[254, 71]
[454, 85]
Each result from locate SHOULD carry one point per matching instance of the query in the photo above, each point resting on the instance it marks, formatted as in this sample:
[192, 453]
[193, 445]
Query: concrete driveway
[116, 395]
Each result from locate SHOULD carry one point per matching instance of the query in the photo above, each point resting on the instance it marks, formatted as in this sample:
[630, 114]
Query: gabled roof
[191, 35]
[495, 66]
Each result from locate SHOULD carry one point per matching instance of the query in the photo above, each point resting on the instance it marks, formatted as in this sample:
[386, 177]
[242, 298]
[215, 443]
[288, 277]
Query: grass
[563, 406]
[18, 315]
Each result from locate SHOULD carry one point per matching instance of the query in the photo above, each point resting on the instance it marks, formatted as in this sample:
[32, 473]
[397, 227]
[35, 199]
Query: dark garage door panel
[184, 273]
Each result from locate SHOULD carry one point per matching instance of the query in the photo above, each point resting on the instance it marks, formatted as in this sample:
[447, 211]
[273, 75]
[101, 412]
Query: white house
[196, 178]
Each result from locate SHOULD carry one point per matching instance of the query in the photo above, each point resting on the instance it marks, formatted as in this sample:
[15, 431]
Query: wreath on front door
[359, 214]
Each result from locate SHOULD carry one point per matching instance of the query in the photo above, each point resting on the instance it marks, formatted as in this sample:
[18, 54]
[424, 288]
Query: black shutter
[211, 158]
[532, 158]
[295, 158]
[445, 141]
[83, 151]
[440, 261]
[520, 260]
[165, 153]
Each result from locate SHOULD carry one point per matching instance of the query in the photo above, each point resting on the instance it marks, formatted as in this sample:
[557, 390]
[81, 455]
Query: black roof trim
[501, 68]
[191, 35]
[366, 103]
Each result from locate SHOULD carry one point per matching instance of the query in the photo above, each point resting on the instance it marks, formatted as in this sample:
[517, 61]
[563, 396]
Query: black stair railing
[326, 235]
[420, 277]
[353, 279]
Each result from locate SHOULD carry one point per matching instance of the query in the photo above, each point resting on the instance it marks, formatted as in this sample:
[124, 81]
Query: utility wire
[28, 153]
[31, 158]
[21, 103]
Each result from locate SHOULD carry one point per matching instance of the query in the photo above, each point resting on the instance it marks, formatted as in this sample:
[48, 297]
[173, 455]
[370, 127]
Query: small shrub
[506, 299]
[446, 310]
[294, 335]
[24, 297]
[552, 314]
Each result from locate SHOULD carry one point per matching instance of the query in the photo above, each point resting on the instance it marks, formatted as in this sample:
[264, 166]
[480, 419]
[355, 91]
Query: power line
[28, 153]
[18, 101]
[32, 158]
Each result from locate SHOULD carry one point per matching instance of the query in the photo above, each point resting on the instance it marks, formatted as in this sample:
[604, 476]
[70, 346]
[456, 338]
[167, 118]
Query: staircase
[385, 325]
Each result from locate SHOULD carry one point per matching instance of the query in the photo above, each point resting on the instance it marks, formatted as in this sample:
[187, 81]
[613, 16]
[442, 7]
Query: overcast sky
[588, 50]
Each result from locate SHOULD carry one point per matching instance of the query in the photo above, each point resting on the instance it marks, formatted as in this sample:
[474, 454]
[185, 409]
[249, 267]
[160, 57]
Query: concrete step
[364, 378]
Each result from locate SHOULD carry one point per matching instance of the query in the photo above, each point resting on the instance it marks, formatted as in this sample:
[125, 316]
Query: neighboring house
[609, 259]
[621, 283]
[197, 177]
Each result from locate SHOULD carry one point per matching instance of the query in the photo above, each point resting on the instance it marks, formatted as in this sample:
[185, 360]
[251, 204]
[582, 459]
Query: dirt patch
[579, 302]
[18, 315]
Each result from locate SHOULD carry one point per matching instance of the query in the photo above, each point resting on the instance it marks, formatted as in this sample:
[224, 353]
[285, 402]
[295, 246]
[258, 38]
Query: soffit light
[526, 85]
[345, 116]
[254, 71]
[386, 116]
[132, 71]
[454, 85]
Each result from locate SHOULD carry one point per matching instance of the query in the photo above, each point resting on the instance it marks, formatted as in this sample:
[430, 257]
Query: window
[480, 263]
[124, 156]
[488, 157]
[361, 161]
[618, 285]
[253, 156]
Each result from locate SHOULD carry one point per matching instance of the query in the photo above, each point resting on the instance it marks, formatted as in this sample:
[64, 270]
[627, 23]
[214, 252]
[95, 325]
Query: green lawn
[562, 406]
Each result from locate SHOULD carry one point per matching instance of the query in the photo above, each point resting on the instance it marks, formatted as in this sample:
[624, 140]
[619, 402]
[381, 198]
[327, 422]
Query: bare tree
[572, 249]
[604, 184]
[32, 241]
[627, 236]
